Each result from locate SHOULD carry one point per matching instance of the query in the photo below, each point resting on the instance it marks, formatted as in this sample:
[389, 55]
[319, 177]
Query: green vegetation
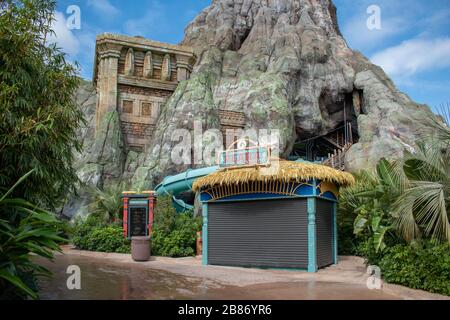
[425, 267]
[24, 229]
[107, 205]
[93, 235]
[38, 113]
[365, 213]
[397, 216]
[38, 124]
[102, 230]
[174, 235]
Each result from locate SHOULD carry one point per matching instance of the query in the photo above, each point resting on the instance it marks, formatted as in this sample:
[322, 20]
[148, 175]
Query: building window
[146, 109]
[127, 106]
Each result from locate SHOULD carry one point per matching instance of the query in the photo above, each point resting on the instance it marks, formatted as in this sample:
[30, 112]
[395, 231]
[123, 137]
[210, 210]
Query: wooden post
[151, 206]
[125, 216]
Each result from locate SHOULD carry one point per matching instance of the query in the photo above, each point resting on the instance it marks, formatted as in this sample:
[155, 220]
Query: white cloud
[413, 56]
[79, 45]
[152, 21]
[63, 37]
[361, 38]
[104, 7]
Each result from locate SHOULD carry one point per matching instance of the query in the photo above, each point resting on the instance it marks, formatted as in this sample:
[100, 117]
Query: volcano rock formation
[286, 66]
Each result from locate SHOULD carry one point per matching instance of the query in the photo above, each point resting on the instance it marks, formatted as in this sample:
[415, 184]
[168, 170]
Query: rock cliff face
[286, 66]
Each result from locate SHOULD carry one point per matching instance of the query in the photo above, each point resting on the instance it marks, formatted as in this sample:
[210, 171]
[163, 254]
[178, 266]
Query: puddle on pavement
[107, 280]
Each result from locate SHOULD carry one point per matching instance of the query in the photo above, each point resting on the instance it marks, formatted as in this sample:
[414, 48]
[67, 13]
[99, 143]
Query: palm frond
[436, 128]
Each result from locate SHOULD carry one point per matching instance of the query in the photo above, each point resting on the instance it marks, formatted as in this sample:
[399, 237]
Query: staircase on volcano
[342, 141]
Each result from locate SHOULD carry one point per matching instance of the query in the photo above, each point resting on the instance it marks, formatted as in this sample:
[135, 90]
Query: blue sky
[413, 44]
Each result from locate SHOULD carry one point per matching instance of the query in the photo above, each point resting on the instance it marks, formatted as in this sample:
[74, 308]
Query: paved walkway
[350, 271]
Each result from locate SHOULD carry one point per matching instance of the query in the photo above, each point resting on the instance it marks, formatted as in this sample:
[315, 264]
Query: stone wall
[135, 77]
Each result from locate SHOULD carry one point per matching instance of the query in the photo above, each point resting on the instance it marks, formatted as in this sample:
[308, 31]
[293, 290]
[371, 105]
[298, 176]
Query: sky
[409, 39]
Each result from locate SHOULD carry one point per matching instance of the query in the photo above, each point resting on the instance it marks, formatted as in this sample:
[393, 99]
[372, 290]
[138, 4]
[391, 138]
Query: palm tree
[107, 205]
[422, 208]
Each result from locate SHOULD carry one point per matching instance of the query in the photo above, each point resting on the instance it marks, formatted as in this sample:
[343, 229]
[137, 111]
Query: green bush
[347, 240]
[94, 235]
[108, 239]
[426, 268]
[174, 235]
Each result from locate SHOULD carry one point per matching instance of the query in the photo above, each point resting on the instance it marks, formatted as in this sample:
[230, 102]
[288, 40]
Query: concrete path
[350, 271]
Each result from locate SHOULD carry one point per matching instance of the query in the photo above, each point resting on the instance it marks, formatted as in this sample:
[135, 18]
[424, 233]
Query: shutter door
[324, 233]
[266, 233]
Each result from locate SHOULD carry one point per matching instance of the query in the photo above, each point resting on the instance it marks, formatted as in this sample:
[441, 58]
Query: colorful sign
[245, 157]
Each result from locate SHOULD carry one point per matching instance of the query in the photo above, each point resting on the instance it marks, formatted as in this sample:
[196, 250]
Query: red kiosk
[138, 213]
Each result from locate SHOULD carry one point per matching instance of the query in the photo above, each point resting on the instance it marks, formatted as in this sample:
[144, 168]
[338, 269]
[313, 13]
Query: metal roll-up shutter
[265, 233]
[324, 233]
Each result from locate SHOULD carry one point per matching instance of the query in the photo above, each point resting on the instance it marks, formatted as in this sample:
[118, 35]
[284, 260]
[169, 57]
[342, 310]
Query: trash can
[140, 248]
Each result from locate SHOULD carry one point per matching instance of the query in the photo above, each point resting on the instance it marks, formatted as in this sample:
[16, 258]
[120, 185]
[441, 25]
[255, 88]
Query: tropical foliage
[107, 205]
[38, 114]
[38, 124]
[173, 234]
[24, 229]
[421, 210]
[102, 230]
[94, 235]
[399, 213]
[425, 266]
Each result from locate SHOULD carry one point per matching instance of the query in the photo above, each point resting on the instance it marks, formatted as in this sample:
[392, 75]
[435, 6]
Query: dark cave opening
[343, 114]
[239, 38]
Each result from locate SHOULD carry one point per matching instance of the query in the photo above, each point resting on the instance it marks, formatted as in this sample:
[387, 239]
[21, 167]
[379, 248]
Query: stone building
[136, 76]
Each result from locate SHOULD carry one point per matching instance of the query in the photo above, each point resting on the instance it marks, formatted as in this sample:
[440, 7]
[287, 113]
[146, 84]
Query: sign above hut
[241, 154]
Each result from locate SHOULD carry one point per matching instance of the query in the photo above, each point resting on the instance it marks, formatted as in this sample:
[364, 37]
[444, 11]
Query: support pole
[125, 217]
[335, 234]
[151, 208]
[205, 234]
[312, 258]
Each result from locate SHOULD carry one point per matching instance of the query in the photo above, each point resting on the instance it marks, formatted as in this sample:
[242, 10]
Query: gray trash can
[140, 248]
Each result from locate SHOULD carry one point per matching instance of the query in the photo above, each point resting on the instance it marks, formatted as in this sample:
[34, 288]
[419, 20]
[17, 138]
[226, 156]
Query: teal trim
[269, 198]
[135, 202]
[264, 268]
[135, 195]
[312, 259]
[253, 199]
[205, 234]
[335, 234]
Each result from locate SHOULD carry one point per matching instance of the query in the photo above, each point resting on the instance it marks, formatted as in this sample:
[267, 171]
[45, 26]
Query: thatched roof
[288, 172]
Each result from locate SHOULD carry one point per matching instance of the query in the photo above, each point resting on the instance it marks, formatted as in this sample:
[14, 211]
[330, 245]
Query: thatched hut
[278, 216]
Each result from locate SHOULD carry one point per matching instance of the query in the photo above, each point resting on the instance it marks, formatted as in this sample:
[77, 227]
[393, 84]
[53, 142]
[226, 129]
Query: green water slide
[177, 184]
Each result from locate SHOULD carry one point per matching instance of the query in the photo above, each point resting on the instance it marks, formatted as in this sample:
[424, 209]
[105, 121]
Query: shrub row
[103, 238]
[426, 268]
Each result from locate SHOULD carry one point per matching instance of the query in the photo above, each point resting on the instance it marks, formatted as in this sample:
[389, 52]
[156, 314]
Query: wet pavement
[107, 280]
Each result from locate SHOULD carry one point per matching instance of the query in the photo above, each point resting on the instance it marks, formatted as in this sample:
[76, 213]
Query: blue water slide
[174, 185]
